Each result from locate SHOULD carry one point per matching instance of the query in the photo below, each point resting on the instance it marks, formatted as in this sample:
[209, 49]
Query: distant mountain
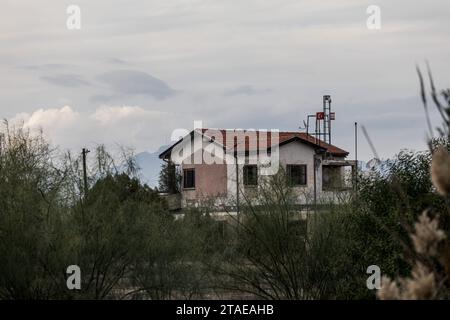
[375, 165]
[150, 166]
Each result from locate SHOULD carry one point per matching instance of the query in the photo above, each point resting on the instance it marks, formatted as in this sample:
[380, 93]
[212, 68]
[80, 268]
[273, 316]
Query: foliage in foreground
[429, 250]
[119, 233]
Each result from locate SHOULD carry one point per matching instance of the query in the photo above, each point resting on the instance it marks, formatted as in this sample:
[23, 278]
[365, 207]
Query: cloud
[131, 82]
[52, 119]
[110, 116]
[46, 66]
[66, 80]
[104, 98]
[117, 61]
[130, 126]
[244, 90]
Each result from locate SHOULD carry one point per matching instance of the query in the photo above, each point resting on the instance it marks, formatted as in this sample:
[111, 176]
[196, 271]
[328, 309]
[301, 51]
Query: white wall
[291, 153]
[301, 153]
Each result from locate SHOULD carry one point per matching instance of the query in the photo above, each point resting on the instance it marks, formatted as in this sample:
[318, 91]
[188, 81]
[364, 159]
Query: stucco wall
[292, 153]
[219, 180]
[300, 153]
[210, 181]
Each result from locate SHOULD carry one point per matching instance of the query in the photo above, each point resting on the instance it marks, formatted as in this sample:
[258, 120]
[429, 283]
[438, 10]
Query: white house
[207, 161]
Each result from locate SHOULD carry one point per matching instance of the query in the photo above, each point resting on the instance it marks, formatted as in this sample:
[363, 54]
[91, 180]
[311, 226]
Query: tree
[47, 223]
[278, 254]
[169, 178]
[428, 252]
[169, 267]
[34, 245]
[112, 228]
[378, 220]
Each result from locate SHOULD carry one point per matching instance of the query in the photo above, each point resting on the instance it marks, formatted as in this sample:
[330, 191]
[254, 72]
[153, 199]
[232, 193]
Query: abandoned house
[218, 165]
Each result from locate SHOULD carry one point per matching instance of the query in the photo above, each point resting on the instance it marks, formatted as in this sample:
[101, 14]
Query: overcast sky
[139, 69]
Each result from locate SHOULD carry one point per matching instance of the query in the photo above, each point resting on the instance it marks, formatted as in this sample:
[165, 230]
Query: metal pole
[329, 122]
[315, 185]
[237, 187]
[84, 152]
[307, 127]
[316, 130]
[356, 156]
[320, 133]
[307, 124]
[324, 119]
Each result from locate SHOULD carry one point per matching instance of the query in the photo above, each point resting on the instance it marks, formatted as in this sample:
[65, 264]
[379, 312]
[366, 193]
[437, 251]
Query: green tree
[278, 254]
[377, 222]
[34, 245]
[169, 178]
[111, 225]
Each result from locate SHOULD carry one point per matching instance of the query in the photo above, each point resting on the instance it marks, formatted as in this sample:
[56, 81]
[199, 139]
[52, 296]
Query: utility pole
[84, 152]
[237, 186]
[317, 162]
[356, 157]
[315, 184]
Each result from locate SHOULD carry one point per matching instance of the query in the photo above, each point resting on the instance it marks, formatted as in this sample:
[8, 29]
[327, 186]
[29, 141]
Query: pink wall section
[210, 181]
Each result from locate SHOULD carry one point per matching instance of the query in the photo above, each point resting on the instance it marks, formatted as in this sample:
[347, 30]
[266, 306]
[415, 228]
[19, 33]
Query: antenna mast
[322, 131]
[327, 119]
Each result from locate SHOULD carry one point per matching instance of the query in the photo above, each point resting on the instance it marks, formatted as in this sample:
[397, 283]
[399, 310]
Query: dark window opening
[250, 175]
[296, 174]
[189, 178]
[332, 178]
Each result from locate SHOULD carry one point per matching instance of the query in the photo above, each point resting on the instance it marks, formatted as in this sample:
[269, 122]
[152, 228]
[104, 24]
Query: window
[250, 175]
[296, 174]
[331, 178]
[189, 178]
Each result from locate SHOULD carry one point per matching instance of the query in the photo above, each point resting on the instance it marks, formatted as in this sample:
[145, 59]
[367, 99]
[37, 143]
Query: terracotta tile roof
[330, 148]
[264, 139]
